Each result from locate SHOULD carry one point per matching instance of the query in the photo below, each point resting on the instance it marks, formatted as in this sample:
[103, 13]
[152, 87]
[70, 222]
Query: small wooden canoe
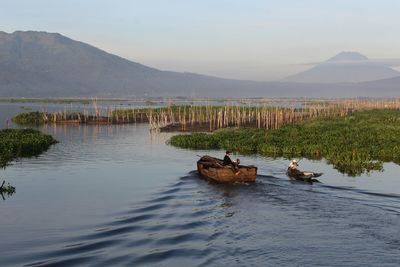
[213, 169]
[303, 176]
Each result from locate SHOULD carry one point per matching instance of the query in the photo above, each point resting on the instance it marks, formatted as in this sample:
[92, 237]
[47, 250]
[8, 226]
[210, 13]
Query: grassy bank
[17, 143]
[356, 143]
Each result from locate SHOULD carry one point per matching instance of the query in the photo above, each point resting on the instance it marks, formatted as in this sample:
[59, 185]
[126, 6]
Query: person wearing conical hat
[292, 169]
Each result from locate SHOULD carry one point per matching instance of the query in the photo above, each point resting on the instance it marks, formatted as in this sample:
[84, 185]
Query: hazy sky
[246, 39]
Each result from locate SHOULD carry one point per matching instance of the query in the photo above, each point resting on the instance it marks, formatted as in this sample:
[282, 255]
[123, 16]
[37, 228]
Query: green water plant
[353, 144]
[33, 118]
[17, 143]
[6, 189]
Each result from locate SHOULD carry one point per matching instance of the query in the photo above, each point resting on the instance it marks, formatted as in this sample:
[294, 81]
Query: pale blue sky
[249, 39]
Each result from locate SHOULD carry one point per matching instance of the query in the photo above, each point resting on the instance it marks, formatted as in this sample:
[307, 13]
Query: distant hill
[49, 64]
[343, 68]
[385, 87]
[40, 64]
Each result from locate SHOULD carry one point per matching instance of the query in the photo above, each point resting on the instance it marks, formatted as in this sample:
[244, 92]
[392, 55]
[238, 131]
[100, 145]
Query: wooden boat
[213, 169]
[303, 176]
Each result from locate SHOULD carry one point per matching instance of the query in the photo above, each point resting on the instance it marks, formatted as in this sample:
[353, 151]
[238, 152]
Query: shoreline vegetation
[354, 144]
[204, 117]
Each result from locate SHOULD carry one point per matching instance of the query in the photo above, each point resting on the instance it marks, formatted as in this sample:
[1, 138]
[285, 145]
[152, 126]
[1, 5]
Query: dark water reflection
[118, 196]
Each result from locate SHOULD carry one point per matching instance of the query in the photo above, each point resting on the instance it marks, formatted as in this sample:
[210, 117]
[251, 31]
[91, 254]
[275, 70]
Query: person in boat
[292, 169]
[299, 175]
[229, 162]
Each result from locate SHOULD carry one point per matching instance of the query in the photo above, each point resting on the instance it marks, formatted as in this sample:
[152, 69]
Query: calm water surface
[118, 195]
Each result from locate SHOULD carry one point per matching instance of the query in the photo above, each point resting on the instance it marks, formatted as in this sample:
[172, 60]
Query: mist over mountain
[345, 67]
[40, 64]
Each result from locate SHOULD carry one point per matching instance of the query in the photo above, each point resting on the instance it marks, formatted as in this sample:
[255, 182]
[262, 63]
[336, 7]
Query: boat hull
[213, 169]
[303, 176]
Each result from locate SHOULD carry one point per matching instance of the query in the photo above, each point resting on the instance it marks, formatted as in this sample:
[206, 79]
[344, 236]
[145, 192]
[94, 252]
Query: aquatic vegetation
[37, 118]
[204, 117]
[255, 113]
[7, 189]
[354, 144]
[17, 143]
[31, 118]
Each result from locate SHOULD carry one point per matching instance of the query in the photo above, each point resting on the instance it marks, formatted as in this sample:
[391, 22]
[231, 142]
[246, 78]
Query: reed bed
[192, 118]
[206, 117]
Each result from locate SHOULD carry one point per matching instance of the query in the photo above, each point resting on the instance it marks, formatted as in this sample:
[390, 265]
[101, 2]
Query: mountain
[386, 87]
[345, 67]
[348, 56]
[40, 64]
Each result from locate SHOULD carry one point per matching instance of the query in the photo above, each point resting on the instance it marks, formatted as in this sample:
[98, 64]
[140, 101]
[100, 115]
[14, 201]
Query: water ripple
[197, 223]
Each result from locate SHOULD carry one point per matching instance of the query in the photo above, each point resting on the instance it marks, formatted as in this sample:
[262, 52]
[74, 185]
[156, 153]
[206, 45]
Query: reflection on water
[117, 195]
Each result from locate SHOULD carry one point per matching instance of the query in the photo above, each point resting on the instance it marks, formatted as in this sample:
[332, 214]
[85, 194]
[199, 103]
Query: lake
[119, 195]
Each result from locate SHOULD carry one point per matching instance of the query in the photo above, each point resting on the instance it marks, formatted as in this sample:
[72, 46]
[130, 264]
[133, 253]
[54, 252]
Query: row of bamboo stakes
[266, 117]
[231, 115]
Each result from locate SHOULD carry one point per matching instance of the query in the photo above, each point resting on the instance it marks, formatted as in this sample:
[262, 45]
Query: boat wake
[193, 222]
